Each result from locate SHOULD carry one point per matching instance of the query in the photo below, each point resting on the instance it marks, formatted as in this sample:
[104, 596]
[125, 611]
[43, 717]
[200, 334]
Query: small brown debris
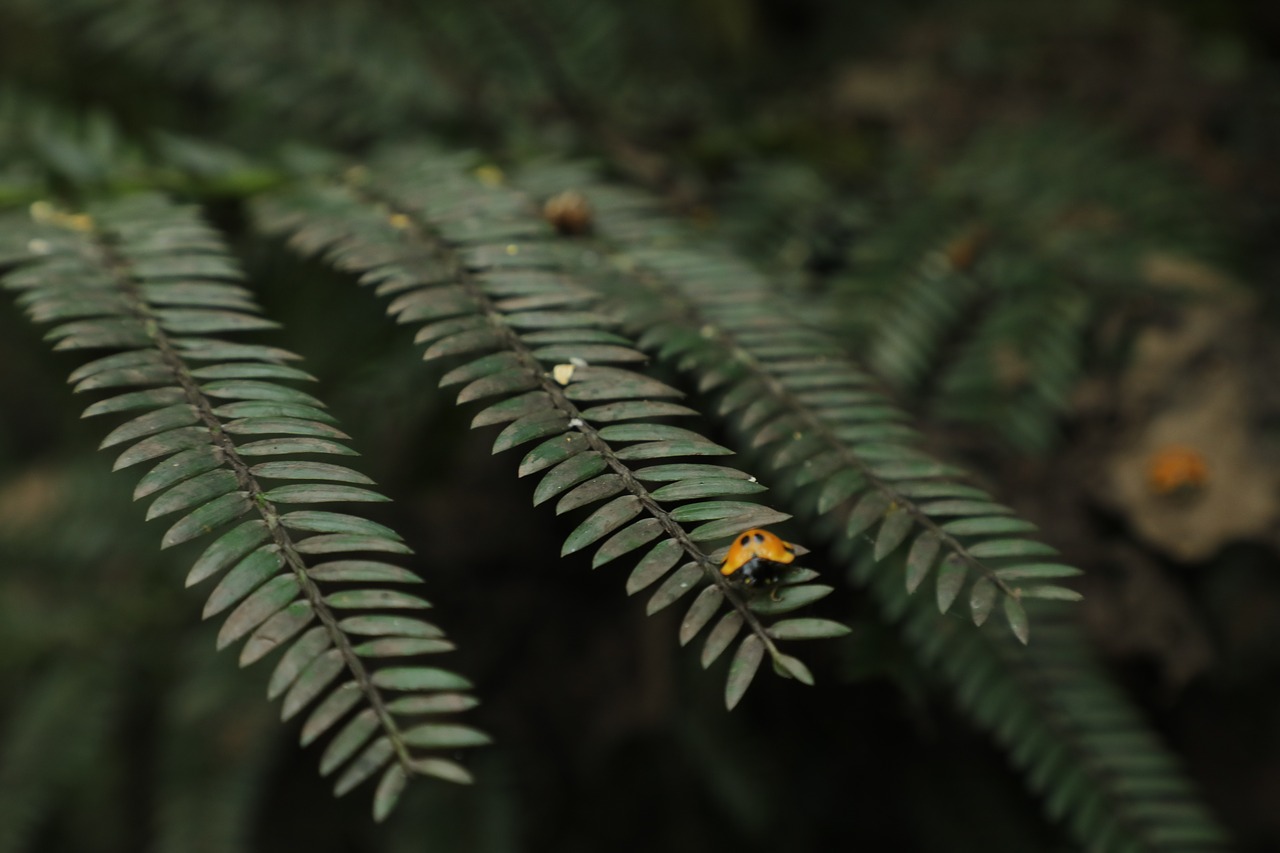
[569, 212]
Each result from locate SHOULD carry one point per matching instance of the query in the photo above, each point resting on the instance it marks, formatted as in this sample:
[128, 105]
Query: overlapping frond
[851, 465]
[48, 147]
[975, 290]
[482, 271]
[344, 67]
[223, 433]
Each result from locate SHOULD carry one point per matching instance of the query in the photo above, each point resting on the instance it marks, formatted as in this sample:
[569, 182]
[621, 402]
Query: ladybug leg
[773, 594]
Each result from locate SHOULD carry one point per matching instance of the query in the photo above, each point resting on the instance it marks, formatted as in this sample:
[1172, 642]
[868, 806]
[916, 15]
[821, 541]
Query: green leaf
[247, 575]
[590, 353]
[445, 736]
[761, 516]
[160, 420]
[789, 598]
[790, 667]
[531, 428]
[866, 512]
[840, 487]
[336, 543]
[683, 580]
[989, 526]
[207, 518]
[250, 389]
[708, 510]
[666, 449]
[510, 410]
[303, 651]
[307, 471]
[361, 570]
[681, 471]
[179, 467]
[163, 444]
[250, 370]
[442, 768]
[210, 350]
[597, 489]
[982, 597]
[311, 681]
[552, 452]
[283, 426]
[320, 493]
[355, 734]
[483, 366]
[1017, 617]
[152, 398]
[227, 549]
[385, 625]
[402, 647]
[951, 577]
[265, 602]
[389, 790]
[419, 678]
[602, 522]
[461, 343]
[369, 762]
[341, 700]
[1010, 548]
[433, 703]
[257, 409]
[721, 637]
[705, 488]
[275, 631]
[703, 609]
[145, 358]
[633, 409]
[897, 525]
[1052, 593]
[626, 540]
[281, 446]
[387, 599]
[742, 670]
[807, 629]
[660, 560]
[317, 521]
[502, 382]
[650, 432]
[568, 474]
[920, 558]
[1037, 570]
[197, 490]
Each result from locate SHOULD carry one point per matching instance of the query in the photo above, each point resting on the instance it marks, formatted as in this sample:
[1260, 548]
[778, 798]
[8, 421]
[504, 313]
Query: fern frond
[482, 270]
[794, 392]
[347, 68]
[852, 468]
[150, 279]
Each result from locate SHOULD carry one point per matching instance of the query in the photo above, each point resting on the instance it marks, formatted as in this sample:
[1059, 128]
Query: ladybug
[757, 558]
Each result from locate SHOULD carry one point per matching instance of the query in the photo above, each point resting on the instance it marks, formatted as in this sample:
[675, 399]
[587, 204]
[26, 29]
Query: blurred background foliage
[1049, 228]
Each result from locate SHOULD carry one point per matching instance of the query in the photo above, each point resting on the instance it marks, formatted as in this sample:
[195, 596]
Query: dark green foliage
[977, 283]
[489, 279]
[985, 301]
[835, 446]
[117, 268]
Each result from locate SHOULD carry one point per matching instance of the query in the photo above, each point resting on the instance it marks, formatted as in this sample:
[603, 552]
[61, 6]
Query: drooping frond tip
[224, 435]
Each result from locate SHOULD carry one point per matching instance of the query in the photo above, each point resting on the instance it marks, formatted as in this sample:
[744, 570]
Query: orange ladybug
[757, 558]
